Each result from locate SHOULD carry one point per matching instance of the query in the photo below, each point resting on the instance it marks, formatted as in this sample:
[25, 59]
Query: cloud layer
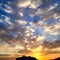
[27, 24]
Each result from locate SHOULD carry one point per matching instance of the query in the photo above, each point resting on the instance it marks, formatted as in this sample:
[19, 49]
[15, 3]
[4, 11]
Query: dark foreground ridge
[26, 58]
[32, 58]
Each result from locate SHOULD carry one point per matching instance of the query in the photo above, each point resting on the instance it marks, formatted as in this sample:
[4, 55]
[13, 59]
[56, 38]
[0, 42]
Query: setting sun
[37, 53]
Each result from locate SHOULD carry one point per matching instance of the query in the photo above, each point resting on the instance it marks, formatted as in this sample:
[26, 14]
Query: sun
[37, 56]
[37, 53]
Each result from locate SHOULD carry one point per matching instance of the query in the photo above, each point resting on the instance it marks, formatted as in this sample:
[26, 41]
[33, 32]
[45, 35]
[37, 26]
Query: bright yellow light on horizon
[37, 53]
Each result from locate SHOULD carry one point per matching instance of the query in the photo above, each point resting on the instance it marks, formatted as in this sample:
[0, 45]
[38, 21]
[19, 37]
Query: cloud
[23, 3]
[29, 3]
[53, 7]
[29, 24]
[57, 26]
[34, 4]
[53, 51]
[21, 22]
[8, 10]
[56, 49]
[1, 20]
[40, 38]
[51, 46]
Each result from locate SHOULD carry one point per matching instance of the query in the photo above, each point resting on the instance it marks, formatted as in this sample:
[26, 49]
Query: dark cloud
[53, 52]
[51, 45]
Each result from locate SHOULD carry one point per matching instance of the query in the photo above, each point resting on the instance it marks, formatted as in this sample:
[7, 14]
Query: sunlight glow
[37, 53]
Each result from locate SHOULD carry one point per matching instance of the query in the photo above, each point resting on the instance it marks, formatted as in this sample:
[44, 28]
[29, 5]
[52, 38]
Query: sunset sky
[30, 27]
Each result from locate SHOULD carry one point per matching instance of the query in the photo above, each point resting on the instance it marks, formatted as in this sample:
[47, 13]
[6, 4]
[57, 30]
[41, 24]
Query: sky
[28, 26]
